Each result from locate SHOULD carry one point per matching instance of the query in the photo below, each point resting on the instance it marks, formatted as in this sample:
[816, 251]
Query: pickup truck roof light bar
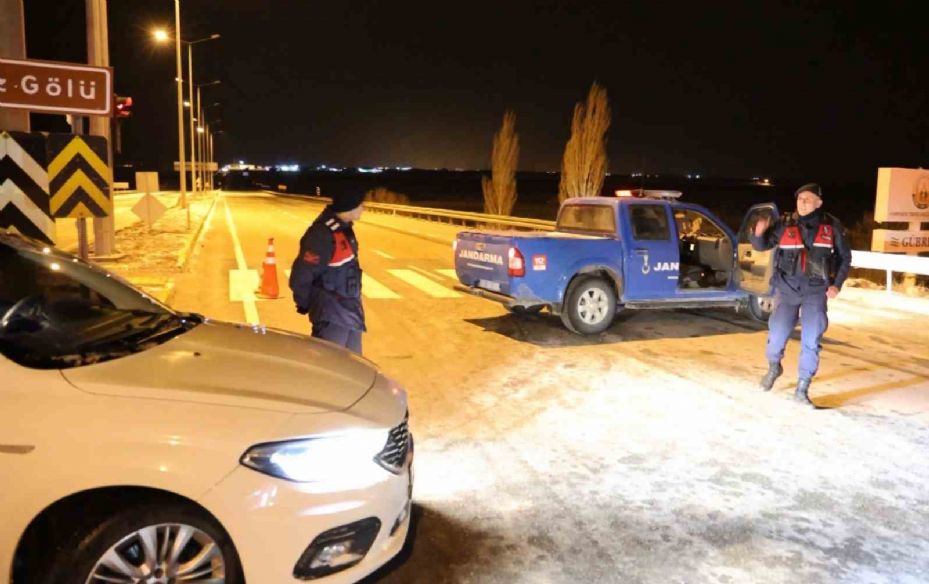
[648, 193]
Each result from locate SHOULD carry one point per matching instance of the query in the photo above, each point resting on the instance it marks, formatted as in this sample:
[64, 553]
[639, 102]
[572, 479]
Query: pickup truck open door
[754, 268]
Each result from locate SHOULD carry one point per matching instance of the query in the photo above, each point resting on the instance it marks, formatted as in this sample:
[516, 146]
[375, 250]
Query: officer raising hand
[811, 262]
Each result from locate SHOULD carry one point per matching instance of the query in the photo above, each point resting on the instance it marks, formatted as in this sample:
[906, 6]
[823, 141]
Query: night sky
[812, 89]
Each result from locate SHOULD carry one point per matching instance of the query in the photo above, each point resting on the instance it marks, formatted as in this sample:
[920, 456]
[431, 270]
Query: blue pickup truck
[642, 249]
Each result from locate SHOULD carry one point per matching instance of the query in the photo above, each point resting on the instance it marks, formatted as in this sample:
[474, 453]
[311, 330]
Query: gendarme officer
[326, 277]
[811, 261]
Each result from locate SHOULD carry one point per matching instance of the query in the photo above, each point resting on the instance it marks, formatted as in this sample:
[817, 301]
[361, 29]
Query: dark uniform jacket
[814, 248]
[326, 277]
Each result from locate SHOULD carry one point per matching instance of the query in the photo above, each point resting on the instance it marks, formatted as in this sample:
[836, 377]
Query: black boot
[803, 393]
[774, 371]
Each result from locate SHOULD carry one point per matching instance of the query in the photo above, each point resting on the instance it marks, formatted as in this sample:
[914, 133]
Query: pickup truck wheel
[759, 307]
[589, 307]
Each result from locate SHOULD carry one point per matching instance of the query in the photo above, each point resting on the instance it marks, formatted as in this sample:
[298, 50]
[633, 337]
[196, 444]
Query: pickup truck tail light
[517, 265]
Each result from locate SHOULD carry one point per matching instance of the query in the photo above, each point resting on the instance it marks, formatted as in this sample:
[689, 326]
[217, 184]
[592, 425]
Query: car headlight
[327, 458]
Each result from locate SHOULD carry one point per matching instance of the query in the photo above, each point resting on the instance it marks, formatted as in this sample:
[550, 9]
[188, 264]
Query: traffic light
[123, 107]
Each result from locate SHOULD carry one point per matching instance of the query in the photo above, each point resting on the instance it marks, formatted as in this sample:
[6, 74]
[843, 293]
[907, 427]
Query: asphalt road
[645, 454]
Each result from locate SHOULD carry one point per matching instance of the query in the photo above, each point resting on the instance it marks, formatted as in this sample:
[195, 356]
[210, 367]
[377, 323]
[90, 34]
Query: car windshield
[57, 311]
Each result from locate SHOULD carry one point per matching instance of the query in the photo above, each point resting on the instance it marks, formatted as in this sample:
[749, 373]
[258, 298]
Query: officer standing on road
[811, 262]
[326, 277]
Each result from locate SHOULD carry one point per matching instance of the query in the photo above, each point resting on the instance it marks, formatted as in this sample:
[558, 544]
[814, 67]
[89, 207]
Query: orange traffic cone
[269, 288]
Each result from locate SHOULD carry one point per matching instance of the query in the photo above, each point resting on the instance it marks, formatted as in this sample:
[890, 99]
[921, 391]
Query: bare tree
[584, 165]
[500, 190]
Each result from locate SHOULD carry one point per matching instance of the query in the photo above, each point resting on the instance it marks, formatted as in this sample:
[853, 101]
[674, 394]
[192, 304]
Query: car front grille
[394, 453]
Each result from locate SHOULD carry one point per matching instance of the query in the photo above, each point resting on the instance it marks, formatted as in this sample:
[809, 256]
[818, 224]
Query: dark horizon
[779, 89]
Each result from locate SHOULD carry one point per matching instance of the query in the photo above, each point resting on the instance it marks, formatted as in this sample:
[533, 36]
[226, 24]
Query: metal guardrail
[464, 218]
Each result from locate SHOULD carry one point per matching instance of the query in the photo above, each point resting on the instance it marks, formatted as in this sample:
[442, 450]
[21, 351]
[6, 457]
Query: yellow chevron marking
[75, 147]
[79, 180]
[80, 210]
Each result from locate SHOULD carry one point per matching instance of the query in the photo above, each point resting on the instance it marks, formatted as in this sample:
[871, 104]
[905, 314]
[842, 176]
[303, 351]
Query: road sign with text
[49, 86]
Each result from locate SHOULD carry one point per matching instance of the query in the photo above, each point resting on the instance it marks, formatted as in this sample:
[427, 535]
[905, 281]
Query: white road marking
[371, 288]
[448, 273]
[248, 295]
[383, 254]
[425, 284]
[427, 274]
[241, 281]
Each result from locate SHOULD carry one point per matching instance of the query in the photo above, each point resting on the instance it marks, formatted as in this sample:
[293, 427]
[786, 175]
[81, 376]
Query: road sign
[149, 209]
[24, 201]
[49, 86]
[887, 240]
[902, 195]
[78, 177]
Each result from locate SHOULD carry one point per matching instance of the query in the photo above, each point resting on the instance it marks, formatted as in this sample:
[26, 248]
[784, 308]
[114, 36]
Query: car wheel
[759, 307]
[149, 544]
[525, 310]
[590, 306]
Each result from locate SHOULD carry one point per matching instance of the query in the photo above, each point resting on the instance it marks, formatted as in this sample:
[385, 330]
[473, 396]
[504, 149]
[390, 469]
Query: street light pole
[190, 99]
[199, 137]
[180, 109]
[210, 150]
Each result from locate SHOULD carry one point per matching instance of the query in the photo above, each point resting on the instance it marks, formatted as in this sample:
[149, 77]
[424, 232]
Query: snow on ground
[648, 454]
[579, 468]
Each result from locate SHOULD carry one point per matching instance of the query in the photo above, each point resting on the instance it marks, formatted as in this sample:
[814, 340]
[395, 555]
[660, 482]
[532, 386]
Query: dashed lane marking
[424, 284]
[383, 254]
[448, 273]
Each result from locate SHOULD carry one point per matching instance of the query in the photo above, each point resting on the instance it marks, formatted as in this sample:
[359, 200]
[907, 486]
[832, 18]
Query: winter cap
[346, 201]
[812, 187]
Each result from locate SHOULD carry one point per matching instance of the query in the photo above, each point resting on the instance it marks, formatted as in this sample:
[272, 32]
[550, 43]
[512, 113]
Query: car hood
[236, 365]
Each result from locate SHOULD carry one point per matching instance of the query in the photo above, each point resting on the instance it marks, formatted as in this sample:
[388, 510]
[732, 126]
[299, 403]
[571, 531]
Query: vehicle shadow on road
[438, 549]
[547, 330]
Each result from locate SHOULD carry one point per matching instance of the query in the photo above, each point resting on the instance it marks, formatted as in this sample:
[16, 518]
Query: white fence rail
[886, 262]
[890, 263]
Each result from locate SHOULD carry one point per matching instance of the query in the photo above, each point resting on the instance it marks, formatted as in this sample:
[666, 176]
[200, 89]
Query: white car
[141, 445]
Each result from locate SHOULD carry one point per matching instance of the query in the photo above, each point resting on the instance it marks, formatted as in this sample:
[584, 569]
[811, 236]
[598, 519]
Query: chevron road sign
[78, 177]
[24, 200]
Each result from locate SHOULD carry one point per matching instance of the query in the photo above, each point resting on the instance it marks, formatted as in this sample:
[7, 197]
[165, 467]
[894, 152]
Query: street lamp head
[200, 129]
[161, 35]
[215, 35]
[186, 103]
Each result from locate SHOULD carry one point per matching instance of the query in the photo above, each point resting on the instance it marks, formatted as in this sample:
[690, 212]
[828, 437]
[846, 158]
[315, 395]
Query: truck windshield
[57, 311]
[598, 219]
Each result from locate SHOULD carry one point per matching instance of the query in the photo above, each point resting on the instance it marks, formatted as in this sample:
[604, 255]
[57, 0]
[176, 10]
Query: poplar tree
[584, 165]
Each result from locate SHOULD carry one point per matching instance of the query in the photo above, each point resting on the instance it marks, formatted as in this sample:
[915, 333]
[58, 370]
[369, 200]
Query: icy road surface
[646, 454]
